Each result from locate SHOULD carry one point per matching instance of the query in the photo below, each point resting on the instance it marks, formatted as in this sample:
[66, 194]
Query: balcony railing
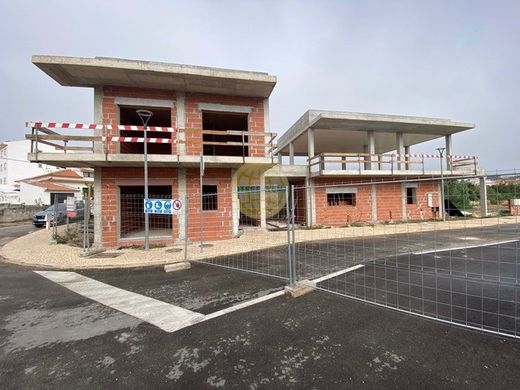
[242, 141]
[60, 136]
[349, 163]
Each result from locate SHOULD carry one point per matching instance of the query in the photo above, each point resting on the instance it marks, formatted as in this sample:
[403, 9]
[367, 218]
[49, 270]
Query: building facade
[210, 142]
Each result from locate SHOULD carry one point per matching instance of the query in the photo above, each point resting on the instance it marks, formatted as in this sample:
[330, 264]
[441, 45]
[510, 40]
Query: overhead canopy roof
[346, 132]
[99, 71]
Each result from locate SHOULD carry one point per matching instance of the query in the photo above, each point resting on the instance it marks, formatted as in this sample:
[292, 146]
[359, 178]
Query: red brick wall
[514, 210]
[389, 203]
[421, 210]
[342, 214]
[109, 196]
[217, 224]
[194, 121]
[110, 112]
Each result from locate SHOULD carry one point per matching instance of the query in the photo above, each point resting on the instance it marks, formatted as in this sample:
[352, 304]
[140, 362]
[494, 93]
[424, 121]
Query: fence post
[55, 219]
[289, 246]
[293, 245]
[186, 228]
[86, 215]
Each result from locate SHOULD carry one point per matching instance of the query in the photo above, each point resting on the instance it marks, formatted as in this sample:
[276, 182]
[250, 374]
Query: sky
[458, 60]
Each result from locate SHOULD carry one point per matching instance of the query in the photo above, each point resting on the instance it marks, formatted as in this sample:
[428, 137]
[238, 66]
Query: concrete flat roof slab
[352, 128]
[99, 71]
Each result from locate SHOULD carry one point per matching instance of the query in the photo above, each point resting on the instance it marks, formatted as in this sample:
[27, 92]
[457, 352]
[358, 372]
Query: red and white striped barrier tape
[141, 128]
[92, 126]
[430, 156]
[64, 125]
[141, 139]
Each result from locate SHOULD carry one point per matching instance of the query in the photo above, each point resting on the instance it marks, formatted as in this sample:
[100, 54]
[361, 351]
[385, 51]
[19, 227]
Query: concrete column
[380, 162]
[373, 203]
[407, 158]
[280, 160]
[483, 197]
[371, 147]
[403, 202]
[235, 202]
[181, 123]
[98, 148]
[98, 118]
[310, 204]
[449, 151]
[310, 143]
[441, 201]
[98, 223]
[366, 164]
[182, 217]
[399, 142]
[263, 223]
[267, 125]
[291, 153]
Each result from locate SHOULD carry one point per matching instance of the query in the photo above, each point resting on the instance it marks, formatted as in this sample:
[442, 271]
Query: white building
[14, 165]
[44, 189]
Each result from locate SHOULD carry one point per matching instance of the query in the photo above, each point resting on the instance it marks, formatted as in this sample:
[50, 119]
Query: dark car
[38, 219]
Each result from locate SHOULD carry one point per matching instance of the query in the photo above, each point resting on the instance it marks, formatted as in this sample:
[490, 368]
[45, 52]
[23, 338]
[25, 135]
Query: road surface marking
[463, 247]
[161, 314]
[165, 316]
[242, 305]
[334, 274]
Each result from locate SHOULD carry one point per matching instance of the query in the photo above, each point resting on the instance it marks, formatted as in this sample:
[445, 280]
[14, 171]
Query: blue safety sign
[162, 206]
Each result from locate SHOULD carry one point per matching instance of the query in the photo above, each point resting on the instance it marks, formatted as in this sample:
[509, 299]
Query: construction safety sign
[162, 206]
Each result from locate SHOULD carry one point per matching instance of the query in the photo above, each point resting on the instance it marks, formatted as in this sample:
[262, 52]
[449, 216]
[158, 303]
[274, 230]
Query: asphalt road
[14, 230]
[53, 338]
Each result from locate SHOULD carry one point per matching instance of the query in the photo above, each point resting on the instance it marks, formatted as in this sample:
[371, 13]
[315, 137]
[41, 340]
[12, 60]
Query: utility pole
[441, 203]
[145, 116]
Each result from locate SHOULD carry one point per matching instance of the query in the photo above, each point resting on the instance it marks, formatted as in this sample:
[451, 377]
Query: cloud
[448, 59]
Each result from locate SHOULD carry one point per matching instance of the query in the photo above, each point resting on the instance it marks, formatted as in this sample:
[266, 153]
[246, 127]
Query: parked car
[38, 218]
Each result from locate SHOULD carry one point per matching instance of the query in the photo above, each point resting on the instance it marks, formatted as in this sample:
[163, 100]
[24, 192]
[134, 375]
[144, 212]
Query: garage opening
[60, 197]
[215, 144]
[160, 117]
[131, 207]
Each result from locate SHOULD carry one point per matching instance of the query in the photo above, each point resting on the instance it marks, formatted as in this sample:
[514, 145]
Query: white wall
[33, 195]
[12, 170]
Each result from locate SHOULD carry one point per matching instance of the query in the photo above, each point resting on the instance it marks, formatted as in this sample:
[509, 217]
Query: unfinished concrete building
[223, 116]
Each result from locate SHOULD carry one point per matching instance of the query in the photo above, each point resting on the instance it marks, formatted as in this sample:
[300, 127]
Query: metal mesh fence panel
[244, 230]
[400, 245]
[131, 209]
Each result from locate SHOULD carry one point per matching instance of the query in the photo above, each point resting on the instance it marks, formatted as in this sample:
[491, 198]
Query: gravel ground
[37, 249]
